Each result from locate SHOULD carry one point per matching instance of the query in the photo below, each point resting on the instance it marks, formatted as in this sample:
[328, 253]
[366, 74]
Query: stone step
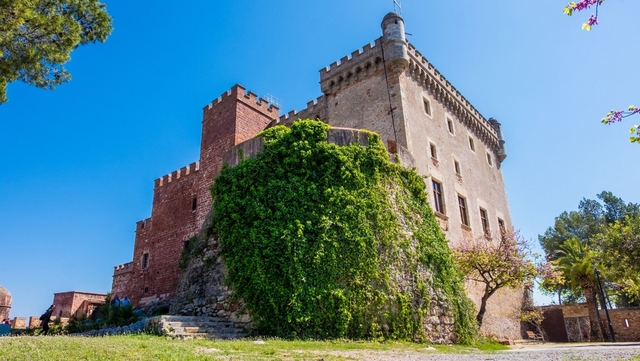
[211, 336]
[166, 318]
[225, 323]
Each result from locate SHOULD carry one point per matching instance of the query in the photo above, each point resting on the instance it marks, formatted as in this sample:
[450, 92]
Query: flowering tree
[614, 115]
[505, 263]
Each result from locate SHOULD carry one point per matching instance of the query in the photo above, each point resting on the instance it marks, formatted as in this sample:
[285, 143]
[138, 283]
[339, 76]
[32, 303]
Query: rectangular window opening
[434, 152]
[145, 260]
[427, 106]
[464, 214]
[194, 204]
[456, 166]
[450, 126]
[489, 159]
[485, 222]
[471, 144]
[437, 197]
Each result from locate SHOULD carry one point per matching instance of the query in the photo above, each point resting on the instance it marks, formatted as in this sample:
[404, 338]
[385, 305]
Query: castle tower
[182, 201]
[394, 43]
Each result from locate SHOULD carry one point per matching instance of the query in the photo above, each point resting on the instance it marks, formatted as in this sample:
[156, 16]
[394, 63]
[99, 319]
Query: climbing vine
[326, 241]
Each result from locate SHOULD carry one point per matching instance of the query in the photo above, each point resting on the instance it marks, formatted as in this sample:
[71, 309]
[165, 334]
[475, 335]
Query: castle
[387, 87]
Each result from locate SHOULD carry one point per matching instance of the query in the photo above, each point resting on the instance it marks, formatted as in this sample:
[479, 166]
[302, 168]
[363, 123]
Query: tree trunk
[602, 301]
[594, 316]
[483, 309]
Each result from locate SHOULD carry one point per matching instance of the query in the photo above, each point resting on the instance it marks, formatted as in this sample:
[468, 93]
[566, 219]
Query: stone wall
[625, 321]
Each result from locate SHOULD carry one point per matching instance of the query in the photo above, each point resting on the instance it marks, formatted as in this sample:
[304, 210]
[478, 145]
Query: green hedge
[315, 237]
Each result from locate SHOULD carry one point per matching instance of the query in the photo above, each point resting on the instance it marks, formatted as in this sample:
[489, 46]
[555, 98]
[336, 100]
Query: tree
[614, 115]
[619, 246]
[37, 37]
[575, 261]
[588, 225]
[499, 264]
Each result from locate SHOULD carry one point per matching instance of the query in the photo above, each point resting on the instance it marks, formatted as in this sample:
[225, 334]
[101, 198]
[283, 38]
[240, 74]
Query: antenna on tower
[273, 101]
[397, 8]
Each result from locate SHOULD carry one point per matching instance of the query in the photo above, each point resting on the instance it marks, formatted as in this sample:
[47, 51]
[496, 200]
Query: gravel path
[527, 353]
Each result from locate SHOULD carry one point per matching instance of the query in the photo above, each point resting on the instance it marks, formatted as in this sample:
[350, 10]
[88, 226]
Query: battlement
[316, 109]
[422, 71]
[240, 93]
[145, 223]
[177, 174]
[123, 268]
[352, 68]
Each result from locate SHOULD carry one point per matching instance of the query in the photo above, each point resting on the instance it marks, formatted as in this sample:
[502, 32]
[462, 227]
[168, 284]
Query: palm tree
[575, 262]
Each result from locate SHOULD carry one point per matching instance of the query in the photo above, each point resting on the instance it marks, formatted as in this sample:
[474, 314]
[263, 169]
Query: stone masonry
[388, 87]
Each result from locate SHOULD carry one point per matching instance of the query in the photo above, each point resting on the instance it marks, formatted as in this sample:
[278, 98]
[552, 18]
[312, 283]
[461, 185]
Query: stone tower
[5, 303]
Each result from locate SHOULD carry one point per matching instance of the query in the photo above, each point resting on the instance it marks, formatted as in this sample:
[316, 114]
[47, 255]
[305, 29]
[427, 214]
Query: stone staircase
[188, 327]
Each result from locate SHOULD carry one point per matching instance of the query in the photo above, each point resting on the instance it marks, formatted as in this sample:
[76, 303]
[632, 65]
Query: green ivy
[316, 237]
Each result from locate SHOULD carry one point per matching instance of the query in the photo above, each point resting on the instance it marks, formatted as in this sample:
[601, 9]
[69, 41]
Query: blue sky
[78, 163]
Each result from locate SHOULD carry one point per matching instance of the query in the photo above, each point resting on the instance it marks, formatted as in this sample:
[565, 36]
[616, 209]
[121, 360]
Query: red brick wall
[231, 119]
[67, 303]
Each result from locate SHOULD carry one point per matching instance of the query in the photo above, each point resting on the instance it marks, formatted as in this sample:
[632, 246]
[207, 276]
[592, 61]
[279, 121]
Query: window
[437, 197]
[427, 106]
[450, 126]
[489, 159]
[434, 152]
[456, 166]
[146, 290]
[502, 229]
[194, 204]
[485, 222]
[464, 215]
[471, 145]
[145, 260]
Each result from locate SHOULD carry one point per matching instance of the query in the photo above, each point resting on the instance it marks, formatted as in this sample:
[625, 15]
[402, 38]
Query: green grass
[147, 347]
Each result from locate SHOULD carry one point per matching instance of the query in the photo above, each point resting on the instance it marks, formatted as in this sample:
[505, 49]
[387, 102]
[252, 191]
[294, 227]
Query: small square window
[450, 126]
[471, 144]
[456, 166]
[437, 197]
[434, 151]
[427, 106]
[464, 213]
[489, 159]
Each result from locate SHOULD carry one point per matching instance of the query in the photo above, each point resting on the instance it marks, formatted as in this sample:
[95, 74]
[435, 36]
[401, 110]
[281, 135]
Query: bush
[316, 236]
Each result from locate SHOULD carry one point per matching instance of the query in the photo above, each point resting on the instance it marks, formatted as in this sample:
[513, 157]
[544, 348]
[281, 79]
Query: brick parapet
[424, 73]
[177, 174]
[238, 92]
[122, 269]
[316, 109]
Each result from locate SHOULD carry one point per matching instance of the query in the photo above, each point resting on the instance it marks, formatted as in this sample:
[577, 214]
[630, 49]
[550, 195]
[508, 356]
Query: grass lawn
[147, 347]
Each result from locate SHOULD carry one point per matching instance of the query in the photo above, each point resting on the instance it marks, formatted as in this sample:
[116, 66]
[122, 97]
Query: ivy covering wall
[328, 241]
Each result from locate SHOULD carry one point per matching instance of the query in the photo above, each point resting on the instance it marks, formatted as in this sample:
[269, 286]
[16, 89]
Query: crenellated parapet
[123, 268]
[433, 81]
[240, 93]
[316, 109]
[351, 69]
[177, 174]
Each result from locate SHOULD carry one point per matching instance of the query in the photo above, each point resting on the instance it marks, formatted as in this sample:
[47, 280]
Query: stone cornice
[425, 74]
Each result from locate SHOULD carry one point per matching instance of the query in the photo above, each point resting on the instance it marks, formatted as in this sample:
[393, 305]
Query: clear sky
[77, 164]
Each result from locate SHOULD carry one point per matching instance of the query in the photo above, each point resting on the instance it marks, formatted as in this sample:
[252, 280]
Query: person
[124, 302]
[115, 302]
[45, 319]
